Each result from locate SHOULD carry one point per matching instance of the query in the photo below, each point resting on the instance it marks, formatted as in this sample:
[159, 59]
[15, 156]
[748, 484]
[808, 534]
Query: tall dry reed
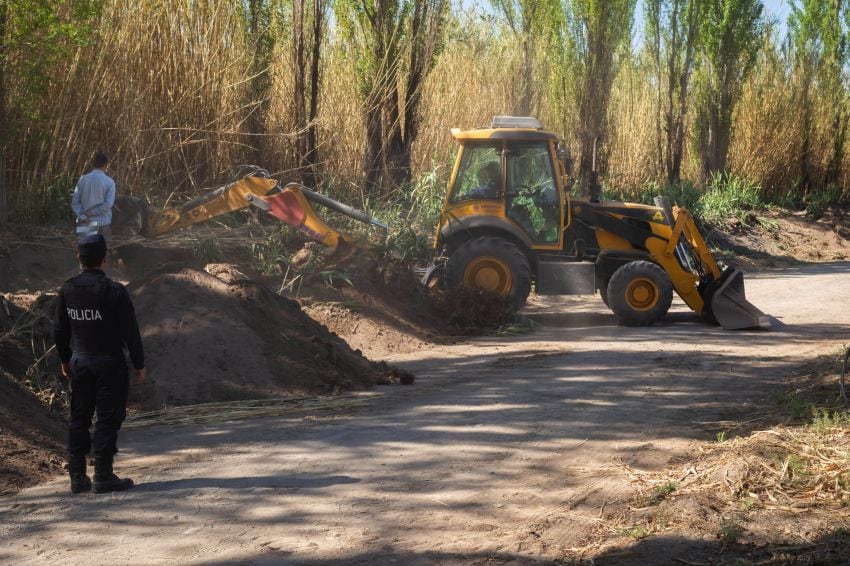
[164, 87]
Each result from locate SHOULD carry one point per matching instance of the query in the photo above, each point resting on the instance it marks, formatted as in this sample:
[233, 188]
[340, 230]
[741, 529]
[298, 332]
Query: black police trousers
[98, 383]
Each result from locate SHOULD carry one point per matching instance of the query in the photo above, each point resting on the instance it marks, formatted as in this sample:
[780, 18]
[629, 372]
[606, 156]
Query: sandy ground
[507, 450]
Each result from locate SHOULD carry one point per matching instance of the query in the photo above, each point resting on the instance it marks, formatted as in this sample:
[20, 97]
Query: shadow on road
[282, 481]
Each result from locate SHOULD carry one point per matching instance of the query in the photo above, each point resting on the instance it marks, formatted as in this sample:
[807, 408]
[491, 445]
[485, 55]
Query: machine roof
[503, 134]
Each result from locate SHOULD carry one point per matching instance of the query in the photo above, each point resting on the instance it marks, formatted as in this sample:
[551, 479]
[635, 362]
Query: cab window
[479, 174]
[531, 199]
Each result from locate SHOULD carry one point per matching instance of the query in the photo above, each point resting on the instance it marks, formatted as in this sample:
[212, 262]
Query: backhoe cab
[509, 223]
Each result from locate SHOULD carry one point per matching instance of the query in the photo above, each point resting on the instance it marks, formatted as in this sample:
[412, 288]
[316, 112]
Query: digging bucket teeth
[730, 306]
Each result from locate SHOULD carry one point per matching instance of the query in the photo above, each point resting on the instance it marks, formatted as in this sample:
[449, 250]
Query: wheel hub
[489, 274]
[642, 294]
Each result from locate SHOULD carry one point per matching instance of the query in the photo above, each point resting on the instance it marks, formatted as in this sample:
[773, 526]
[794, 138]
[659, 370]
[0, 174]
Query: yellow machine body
[292, 204]
[509, 223]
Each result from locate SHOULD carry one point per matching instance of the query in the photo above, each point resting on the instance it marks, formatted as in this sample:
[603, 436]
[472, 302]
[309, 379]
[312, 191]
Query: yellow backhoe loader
[510, 223]
[291, 204]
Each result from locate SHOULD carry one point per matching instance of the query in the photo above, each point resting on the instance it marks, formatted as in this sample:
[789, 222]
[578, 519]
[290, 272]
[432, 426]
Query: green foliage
[724, 198]
[526, 20]
[50, 202]
[826, 420]
[730, 532]
[56, 200]
[411, 217]
[819, 200]
[636, 532]
[587, 37]
[730, 33]
[748, 503]
[41, 34]
[520, 325]
[797, 404]
[659, 493]
[525, 200]
[818, 31]
[672, 31]
[393, 45]
[683, 194]
[332, 276]
[405, 244]
[206, 250]
[721, 437]
[272, 252]
[729, 197]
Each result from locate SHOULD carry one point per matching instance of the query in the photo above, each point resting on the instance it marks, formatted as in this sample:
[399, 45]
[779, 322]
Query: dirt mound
[376, 305]
[31, 438]
[778, 238]
[224, 337]
[380, 306]
[40, 263]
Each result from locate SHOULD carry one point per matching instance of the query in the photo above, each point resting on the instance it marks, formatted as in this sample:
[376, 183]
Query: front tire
[640, 293]
[493, 265]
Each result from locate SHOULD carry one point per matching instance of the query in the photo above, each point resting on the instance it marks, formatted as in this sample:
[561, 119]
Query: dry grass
[787, 468]
[776, 495]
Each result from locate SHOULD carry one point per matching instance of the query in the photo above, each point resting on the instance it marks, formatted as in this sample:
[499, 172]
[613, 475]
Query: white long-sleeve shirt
[94, 196]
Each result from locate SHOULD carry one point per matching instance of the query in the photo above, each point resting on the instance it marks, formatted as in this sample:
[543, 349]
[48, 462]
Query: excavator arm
[292, 205]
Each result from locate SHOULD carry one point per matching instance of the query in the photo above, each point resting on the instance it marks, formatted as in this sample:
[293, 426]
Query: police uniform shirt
[95, 316]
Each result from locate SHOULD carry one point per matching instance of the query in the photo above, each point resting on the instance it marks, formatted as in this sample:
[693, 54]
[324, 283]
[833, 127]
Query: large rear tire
[640, 293]
[493, 265]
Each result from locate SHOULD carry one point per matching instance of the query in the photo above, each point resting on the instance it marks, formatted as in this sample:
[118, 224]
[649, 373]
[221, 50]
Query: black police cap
[92, 246]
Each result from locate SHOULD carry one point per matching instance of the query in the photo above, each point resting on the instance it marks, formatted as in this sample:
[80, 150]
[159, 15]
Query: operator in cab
[93, 323]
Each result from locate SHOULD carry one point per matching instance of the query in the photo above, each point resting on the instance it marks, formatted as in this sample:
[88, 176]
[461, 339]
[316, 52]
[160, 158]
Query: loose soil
[779, 238]
[380, 306]
[211, 333]
[216, 335]
[31, 437]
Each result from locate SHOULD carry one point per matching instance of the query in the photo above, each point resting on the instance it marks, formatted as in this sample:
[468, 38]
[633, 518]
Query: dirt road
[505, 450]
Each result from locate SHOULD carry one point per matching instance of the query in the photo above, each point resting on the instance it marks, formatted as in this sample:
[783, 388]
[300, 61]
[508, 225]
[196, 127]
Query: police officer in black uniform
[94, 320]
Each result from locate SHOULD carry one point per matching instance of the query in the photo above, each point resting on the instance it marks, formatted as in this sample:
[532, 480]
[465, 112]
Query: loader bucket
[730, 306]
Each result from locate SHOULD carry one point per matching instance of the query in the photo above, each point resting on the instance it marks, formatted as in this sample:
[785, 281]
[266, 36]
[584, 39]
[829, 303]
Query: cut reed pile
[791, 469]
[776, 495]
[207, 413]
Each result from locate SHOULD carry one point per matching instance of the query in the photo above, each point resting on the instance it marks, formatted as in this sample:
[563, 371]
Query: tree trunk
[374, 140]
[396, 162]
[527, 74]
[839, 126]
[260, 78]
[806, 147]
[311, 156]
[4, 125]
[593, 109]
[678, 131]
[299, 65]
[656, 46]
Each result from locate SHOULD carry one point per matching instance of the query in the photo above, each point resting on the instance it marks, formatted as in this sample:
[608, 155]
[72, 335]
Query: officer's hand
[65, 371]
[141, 376]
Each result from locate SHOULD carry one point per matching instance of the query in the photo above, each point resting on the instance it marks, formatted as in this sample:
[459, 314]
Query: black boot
[80, 482]
[105, 480]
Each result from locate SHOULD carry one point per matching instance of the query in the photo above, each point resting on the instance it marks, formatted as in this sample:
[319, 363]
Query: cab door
[532, 199]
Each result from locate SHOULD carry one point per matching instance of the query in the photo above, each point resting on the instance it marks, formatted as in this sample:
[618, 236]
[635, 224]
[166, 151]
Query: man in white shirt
[94, 196]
